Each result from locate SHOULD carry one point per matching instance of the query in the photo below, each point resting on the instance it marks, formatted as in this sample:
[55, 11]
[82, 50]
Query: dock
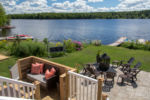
[119, 41]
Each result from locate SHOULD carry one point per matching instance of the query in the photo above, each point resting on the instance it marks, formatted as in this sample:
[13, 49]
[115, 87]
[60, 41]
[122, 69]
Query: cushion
[35, 69]
[41, 67]
[48, 74]
[46, 66]
[53, 70]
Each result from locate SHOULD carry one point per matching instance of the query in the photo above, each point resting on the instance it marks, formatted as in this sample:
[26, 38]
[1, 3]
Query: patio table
[111, 69]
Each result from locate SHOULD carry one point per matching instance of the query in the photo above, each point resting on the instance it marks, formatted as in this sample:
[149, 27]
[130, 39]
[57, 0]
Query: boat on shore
[8, 27]
[21, 37]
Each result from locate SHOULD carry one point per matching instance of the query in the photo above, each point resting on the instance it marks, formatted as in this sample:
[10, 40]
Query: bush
[96, 42]
[136, 45]
[69, 46]
[3, 44]
[28, 48]
[78, 45]
[57, 54]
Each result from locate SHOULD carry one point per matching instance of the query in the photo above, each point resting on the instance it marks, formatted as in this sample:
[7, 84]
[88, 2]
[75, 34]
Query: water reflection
[106, 30]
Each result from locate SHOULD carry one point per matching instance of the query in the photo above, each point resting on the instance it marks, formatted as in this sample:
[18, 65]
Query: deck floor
[49, 95]
[140, 90]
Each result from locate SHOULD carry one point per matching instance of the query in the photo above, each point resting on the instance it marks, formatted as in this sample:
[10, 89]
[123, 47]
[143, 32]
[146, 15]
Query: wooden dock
[119, 41]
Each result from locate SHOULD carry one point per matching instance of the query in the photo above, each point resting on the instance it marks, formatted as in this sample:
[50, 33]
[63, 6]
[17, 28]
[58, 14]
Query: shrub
[57, 54]
[78, 45]
[28, 48]
[96, 42]
[136, 45]
[69, 46]
[59, 44]
[3, 44]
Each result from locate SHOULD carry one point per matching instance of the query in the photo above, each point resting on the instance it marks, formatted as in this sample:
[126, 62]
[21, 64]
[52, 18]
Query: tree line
[93, 15]
[3, 17]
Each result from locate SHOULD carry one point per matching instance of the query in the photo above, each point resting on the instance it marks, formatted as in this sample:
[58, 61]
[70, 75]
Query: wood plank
[3, 57]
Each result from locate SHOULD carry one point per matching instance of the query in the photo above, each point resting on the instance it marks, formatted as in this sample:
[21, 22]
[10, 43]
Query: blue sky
[34, 6]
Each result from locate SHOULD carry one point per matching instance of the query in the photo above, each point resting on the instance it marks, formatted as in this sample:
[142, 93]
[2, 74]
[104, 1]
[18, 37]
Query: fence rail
[82, 87]
[14, 88]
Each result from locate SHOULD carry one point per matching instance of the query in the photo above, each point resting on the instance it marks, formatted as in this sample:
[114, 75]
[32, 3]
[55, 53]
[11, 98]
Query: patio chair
[128, 76]
[85, 72]
[136, 67]
[93, 71]
[109, 76]
[134, 74]
[126, 67]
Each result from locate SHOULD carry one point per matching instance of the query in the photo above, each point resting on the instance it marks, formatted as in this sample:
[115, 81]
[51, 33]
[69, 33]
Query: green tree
[3, 17]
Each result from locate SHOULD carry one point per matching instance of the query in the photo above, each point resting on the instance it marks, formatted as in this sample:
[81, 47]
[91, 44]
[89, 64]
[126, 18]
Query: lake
[106, 30]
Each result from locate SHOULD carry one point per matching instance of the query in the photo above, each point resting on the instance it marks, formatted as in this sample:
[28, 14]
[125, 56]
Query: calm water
[106, 30]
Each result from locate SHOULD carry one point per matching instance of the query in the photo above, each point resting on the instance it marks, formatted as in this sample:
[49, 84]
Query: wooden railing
[84, 88]
[14, 88]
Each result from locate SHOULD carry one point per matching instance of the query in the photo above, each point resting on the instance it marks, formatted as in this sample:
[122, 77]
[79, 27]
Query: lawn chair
[136, 67]
[92, 70]
[109, 76]
[126, 67]
[128, 76]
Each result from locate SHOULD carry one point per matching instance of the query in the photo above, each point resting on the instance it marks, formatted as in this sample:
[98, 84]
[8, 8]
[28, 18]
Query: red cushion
[53, 70]
[41, 67]
[48, 74]
[35, 69]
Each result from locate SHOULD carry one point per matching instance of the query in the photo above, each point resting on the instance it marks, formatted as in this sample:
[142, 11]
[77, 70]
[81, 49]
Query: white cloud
[77, 6]
[95, 0]
[53, 0]
[34, 6]
[130, 5]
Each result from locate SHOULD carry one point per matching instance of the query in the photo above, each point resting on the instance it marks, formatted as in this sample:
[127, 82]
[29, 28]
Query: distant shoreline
[93, 15]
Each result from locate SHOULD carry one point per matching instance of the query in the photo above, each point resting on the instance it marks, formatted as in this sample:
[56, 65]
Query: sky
[38, 6]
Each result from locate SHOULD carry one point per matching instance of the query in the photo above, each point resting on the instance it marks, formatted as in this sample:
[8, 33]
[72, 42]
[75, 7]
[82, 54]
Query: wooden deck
[49, 95]
[3, 57]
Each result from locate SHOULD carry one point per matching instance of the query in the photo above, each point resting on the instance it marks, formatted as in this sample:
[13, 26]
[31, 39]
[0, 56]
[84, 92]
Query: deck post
[19, 69]
[62, 86]
[99, 93]
[67, 85]
[37, 90]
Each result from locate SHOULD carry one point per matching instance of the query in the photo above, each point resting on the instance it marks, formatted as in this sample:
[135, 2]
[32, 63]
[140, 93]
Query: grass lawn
[88, 55]
[4, 70]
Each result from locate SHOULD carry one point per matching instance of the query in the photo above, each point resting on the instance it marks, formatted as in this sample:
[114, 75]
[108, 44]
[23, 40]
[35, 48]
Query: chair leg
[117, 79]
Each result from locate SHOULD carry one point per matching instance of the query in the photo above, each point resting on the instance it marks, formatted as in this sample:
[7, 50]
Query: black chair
[126, 67]
[92, 70]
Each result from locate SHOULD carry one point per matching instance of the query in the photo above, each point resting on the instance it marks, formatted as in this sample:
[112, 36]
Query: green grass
[88, 55]
[4, 70]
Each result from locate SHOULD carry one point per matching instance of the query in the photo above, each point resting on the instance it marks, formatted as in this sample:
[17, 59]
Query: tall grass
[28, 48]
